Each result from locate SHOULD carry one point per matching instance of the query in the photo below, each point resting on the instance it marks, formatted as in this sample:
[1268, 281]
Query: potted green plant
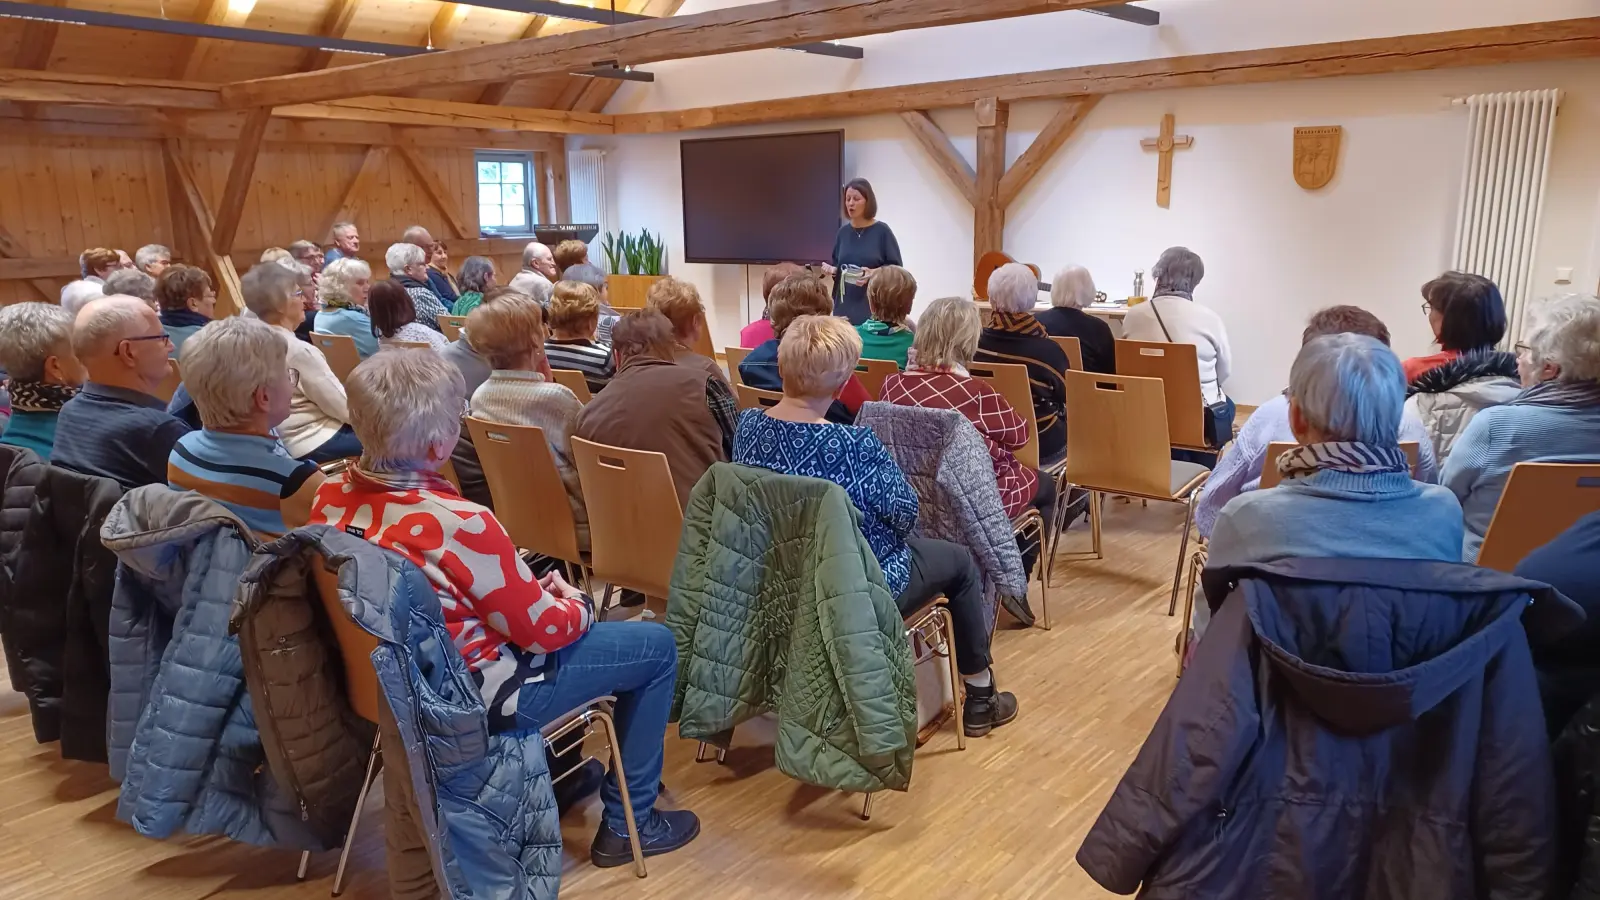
[645, 257]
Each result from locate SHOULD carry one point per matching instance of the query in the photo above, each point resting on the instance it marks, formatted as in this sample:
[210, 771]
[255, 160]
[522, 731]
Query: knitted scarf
[1560, 394]
[1352, 457]
[1016, 323]
[37, 396]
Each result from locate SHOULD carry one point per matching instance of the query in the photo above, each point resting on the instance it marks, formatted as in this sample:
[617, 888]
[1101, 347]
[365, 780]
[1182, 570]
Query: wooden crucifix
[1165, 144]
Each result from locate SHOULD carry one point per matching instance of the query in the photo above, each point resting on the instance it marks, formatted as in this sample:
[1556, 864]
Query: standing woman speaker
[863, 245]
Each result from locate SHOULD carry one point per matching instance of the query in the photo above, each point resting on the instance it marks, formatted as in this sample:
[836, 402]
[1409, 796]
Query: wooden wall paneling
[229, 297]
[14, 249]
[46, 184]
[438, 193]
[989, 215]
[544, 210]
[241, 170]
[353, 195]
[37, 41]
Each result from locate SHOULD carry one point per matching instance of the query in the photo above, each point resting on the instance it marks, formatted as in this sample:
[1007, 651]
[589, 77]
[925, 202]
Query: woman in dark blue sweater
[862, 246]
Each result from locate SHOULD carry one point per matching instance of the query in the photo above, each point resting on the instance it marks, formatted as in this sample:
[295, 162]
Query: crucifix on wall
[1165, 144]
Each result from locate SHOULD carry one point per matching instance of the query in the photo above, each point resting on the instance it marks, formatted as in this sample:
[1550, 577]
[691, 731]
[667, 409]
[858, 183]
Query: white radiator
[1509, 141]
[586, 175]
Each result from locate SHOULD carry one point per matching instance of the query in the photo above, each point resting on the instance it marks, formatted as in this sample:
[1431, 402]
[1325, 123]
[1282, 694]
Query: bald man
[537, 262]
[116, 427]
[441, 285]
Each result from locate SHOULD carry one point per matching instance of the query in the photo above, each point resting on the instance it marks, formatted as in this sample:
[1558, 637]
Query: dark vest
[656, 405]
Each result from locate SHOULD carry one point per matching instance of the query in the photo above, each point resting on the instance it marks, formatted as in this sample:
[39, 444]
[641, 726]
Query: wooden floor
[1002, 819]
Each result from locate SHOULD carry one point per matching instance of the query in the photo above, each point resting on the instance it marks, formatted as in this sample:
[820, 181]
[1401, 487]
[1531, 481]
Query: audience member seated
[532, 645]
[519, 390]
[1569, 666]
[1448, 396]
[305, 293]
[152, 259]
[97, 263]
[947, 338]
[115, 427]
[187, 302]
[309, 255]
[42, 373]
[468, 360]
[680, 302]
[346, 243]
[801, 294]
[760, 331]
[537, 266]
[436, 280]
[583, 273]
[477, 276]
[1070, 291]
[574, 316]
[1239, 469]
[817, 355]
[1015, 336]
[887, 335]
[1466, 313]
[570, 253]
[408, 265]
[317, 427]
[131, 283]
[237, 371]
[682, 412]
[1556, 417]
[394, 318]
[439, 270]
[77, 294]
[342, 291]
[1172, 316]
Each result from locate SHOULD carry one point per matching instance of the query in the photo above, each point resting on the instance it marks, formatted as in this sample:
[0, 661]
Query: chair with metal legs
[1033, 520]
[530, 499]
[598, 711]
[1197, 564]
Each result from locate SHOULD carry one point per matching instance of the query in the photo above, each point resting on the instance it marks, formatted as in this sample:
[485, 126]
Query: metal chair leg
[605, 602]
[617, 772]
[1183, 552]
[958, 688]
[1044, 581]
[699, 753]
[1096, 500]
[866, 808]
[355, 820]
[1197, 561]
[305, 864]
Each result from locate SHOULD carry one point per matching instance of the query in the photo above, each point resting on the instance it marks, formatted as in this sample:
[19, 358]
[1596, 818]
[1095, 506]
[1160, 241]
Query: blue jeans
[637, 662]
[343, 443]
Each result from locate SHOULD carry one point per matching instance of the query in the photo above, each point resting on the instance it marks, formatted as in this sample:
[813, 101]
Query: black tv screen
[762, 199]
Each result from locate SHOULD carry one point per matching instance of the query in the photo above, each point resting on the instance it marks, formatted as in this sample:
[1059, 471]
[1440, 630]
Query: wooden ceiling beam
[447, 113]
[495, 93]
[1531, 42]
[37, 43]
[442, 30]
[335, 24]
[104, 90]
[229, 13]
[755, 26]
[241, 171]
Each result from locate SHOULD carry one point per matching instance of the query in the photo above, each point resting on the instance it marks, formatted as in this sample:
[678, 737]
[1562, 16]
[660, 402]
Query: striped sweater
[592, 358]
[253, 476]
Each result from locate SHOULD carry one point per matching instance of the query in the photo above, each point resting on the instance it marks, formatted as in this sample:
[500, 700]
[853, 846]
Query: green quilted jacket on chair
[778, 604]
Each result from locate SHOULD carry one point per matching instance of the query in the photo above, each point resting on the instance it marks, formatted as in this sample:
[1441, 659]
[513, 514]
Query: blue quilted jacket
[485, 800]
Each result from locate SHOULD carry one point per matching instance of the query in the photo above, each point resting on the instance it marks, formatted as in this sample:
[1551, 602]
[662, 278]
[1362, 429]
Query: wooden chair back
[355, 645]
[574, 381]
[1540, 500]
[409, 345]
[340, 350]
[702, 344]
[1011, 380]
[1118, 441]
[735, 356]
[1177, 366]
[448, 473]
[452, 325]
[169, 384]
[634, 517]
[1073, 348]
[872, 373]
[756, 398]
[530, 499]
[1270, 476]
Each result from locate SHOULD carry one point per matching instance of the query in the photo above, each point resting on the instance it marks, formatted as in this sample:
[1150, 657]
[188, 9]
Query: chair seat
[1186, 476]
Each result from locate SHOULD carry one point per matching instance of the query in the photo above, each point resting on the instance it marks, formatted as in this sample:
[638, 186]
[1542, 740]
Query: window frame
[529, 202]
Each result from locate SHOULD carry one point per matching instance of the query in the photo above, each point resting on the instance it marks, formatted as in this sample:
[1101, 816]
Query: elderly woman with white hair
[342, 290]
[532, 645]
[42, 372]
[1172, 316]
[1556, 417]
[408, 265]
[1015, 336]
[1070, 291]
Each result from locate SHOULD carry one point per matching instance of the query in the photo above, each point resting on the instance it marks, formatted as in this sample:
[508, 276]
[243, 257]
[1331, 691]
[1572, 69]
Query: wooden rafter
[495, 93]
[442, 30]
[351, 201]
[944, 154]
[246, 150]
[37, 43]
[12, 249]
[104, 90]
[179, 171]
[731, 29]
[450, 114]
[335, 24]
[431, 185]
[192, 59]
[1056, 133]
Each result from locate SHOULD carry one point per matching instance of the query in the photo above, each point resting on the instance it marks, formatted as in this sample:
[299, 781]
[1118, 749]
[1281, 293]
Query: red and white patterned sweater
[1004, 430]
[488, 594]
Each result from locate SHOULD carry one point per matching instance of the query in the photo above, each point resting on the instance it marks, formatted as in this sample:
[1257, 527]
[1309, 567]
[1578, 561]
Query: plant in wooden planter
[644, 255]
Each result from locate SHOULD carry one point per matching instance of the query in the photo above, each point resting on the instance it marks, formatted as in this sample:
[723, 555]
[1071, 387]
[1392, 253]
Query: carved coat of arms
[1316, 155]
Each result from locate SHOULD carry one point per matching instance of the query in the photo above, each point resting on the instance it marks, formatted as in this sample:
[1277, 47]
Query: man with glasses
[116, 427]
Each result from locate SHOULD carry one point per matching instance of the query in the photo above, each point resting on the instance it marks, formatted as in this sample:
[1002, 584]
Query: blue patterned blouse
[851, 457]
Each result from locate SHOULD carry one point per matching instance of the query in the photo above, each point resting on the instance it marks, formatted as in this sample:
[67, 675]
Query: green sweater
[880, 340]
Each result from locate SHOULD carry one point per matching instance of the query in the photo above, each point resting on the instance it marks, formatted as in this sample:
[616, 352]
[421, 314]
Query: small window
[505, 184]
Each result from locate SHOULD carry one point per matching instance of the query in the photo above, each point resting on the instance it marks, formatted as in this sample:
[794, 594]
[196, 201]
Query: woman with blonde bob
[817, 355]
[342, 290]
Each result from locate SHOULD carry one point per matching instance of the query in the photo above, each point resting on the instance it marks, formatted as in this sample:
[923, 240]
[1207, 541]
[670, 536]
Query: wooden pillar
[560, 185]
[989, 213]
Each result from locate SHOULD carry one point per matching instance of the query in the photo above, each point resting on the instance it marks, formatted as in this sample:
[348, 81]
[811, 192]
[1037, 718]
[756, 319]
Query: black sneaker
[986, 709]
[664, 832]
[1018, 608]
[579, 786]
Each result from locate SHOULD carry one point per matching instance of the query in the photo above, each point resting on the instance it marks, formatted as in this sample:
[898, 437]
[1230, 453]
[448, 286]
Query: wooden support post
[989, 214]
[1056, 133]
[937, 143]
[560, 185]
[245, 153]
[346, 211]
[11, 248]
[545, 212]
[434, 188]
[229, 297]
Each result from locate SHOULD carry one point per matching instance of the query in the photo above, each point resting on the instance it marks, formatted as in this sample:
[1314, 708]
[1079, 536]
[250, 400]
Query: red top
[756, 333]
[1004, 430]
[1417, 365]
[487, 593]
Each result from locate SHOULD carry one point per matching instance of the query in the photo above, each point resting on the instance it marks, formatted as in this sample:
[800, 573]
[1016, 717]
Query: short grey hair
[1566, 333]
[338, 277]
[149, 253]
[1072, 288]
[475, 272]
[1178, 269]
[303, 248]
[586, 273]
[947, 333]
[77, 294]
[1013, 288]
[415, 234]
[398, 256]
[535, 250]
[104, 323]
[225, 362]
[31, 333]
[401, 404]
[342, 226]
[131, 283]
[1351, 387]
[300, 269]
[268, 288]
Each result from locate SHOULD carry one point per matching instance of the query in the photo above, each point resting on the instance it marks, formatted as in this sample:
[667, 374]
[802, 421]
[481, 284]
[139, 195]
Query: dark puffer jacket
[1577, 755]
[60, 610]
[22, 470]
[1348, 729]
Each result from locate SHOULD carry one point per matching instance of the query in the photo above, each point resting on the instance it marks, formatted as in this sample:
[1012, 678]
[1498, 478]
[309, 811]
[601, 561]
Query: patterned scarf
[412, 480]
[1016, 323]
[37, 396]
[913, 367]
[1352, 457]
[1560, 394]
